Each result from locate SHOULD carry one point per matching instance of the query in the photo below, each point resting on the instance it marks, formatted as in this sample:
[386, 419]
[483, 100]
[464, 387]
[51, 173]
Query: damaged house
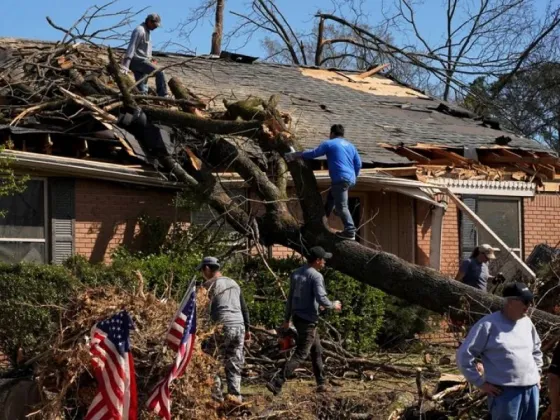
[436, 179]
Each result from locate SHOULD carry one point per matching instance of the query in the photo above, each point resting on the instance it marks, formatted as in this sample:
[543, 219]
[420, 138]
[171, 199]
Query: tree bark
[216, 48]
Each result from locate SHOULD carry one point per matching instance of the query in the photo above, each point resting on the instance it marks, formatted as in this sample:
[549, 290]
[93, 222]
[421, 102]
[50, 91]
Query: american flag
[114, 370]
[180, 338]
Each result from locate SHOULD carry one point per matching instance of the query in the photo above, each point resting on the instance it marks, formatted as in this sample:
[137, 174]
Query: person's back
[341, 155]
[476, 273]
[304, 302]
[226, 302]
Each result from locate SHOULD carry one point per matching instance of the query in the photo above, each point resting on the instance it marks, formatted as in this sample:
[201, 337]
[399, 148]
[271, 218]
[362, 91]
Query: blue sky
[26, 18]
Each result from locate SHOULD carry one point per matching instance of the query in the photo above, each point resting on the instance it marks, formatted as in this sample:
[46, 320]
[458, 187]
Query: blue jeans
[338, 198]
[141, 68]
[515, 403]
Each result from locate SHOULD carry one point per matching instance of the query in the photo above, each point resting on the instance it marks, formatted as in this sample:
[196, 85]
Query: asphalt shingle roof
[315, 104]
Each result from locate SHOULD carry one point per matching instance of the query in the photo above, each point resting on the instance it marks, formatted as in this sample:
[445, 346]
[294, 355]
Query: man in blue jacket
[344, 164]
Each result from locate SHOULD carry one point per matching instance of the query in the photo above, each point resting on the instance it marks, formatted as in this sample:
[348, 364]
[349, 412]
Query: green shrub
[358, 323]
[33, 297]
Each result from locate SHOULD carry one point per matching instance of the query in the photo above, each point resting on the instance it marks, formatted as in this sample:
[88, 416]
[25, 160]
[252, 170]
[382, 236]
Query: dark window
[503, 217]
[23, 227]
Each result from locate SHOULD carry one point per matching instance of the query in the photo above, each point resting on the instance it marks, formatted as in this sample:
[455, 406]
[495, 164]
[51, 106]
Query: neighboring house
[409, 142]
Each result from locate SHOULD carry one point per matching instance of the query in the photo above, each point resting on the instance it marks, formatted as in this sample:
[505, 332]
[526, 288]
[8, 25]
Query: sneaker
[346, 235]
[273, 387]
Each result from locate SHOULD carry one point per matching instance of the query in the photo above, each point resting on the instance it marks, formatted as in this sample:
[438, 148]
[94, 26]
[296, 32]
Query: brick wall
[107, 215]
[450, 241]
[542, 221]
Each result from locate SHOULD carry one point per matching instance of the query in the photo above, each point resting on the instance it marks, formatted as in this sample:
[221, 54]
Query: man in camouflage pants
[228, 309]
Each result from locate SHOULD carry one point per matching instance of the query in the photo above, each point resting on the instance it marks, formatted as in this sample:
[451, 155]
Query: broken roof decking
[373, 110]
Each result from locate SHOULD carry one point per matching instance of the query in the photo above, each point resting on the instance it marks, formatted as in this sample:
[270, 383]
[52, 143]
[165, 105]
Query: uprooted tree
[207, 141]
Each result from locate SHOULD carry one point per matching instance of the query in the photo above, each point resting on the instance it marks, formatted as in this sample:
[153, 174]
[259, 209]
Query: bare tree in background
[481, 38]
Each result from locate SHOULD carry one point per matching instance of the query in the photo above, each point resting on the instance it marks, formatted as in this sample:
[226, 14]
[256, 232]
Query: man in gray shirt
[510, 349]
[228, 309]
[138, 56]
[307, 294]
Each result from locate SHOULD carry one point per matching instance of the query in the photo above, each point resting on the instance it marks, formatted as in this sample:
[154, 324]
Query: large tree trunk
[420, 285]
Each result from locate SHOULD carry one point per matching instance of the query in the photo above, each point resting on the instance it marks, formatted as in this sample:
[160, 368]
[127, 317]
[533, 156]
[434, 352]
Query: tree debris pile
[65, 372]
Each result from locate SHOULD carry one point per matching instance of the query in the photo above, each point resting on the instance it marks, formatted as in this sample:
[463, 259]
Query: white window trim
[45, 221]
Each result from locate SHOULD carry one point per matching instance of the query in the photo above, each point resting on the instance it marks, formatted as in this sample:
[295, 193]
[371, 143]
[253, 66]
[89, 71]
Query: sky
[26, 19]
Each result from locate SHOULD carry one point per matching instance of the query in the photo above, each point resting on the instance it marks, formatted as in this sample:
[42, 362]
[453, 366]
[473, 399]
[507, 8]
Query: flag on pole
[113, 368]
[180, 338]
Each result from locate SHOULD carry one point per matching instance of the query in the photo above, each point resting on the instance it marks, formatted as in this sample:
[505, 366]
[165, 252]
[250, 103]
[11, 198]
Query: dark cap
[518, 290]
[209, 261]
[318, 252]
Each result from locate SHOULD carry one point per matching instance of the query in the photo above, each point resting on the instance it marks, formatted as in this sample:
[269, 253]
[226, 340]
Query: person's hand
[490, 389]
[154, 61]
[285, 325]
[124, 70]
[248, 336]
[337, 306]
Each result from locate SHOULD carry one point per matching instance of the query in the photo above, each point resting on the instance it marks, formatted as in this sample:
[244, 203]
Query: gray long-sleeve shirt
[307, 292]
[227, 304]
[510, 352]
[140, 45]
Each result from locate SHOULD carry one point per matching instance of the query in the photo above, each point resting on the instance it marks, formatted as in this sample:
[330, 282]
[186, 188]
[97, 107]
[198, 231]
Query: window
[502, 215]
[23, 228]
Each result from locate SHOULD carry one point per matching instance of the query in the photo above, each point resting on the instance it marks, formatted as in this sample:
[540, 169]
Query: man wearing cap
[510, 349]
[307, 294]
[138, 56]
[228, 309]
[474, 271]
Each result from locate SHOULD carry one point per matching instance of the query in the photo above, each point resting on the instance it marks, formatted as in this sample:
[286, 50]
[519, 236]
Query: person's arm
[357, 163]
[320, 292]
[554, 383]
[462, 270]
[288, 312]
[244, 311]
[131, 50]
[470, 350]
[321, 150]
[537, 353]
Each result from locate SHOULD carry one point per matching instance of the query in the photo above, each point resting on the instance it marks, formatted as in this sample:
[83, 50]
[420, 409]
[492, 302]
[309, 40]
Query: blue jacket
[342, 157]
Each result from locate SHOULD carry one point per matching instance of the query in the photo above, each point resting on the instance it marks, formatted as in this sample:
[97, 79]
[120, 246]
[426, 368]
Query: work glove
[290, 157]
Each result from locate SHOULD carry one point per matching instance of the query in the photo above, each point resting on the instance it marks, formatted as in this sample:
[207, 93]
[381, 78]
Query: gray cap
[211, 261]
[154, 17]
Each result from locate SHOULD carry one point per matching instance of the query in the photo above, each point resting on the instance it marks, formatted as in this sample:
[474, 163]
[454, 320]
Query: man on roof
[138, 56]
[344, 164]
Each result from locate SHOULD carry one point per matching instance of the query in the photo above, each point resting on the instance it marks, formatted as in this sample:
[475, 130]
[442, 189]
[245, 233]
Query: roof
[374, 110]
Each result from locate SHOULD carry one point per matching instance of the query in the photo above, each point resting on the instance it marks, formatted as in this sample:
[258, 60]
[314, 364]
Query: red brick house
[413, 147]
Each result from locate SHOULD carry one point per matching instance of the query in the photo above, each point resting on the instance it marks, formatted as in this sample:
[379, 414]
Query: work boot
[234, 399]
[346, 235]
[322, 388]
[274, 386]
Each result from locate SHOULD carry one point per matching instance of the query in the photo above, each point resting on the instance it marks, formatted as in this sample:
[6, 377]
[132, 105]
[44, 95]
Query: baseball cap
[210, 261]
[519, 290]
[319, 252]
[154, 17]
[488, 251]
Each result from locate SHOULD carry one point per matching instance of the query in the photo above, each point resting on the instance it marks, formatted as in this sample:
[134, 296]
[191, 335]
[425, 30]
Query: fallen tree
[206, 144]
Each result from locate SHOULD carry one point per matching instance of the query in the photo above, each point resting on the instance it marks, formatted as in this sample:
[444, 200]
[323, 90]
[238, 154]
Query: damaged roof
[374, 110]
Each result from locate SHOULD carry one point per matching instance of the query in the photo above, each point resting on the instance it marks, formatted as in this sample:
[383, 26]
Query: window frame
[496, 199]
[46, 224]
